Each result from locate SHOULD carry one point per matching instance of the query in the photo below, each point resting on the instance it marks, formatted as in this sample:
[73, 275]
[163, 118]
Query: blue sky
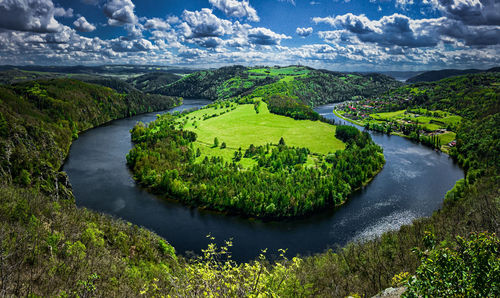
[344, 35]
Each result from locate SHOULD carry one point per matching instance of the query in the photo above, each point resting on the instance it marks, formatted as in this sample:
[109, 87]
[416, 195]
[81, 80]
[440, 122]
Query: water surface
[411, 185]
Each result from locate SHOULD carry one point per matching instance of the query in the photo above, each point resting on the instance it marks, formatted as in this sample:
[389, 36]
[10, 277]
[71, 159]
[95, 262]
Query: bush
[470, 269]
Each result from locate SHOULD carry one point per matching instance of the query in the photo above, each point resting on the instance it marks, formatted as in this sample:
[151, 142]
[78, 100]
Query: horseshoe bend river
[411, 185]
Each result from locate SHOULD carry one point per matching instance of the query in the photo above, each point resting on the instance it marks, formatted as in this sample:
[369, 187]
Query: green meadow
[280, 71]
[239, 126]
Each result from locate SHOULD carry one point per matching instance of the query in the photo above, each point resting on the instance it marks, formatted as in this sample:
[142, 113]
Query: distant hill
[110, 70]
[310, 86]
[436, 75]
[154, 80]
[12, 76]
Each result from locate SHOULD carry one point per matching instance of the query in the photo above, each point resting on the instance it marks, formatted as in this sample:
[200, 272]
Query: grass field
[440, 120]
[387, 115]
[287, 71]
[243, 126]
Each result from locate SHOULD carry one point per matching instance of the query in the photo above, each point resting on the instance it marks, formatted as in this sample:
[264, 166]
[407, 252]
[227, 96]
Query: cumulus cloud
[203, 23]
[173, 20]
[157, 24]
[191, 53]
[390, 30]
[136, 45]
[400, 30]
[304, 31]
[30, 15]
[120, 12]
[65, 13]
[264, 36]
[237, 9]
[81, 24]
[470, 12]
[403, 4]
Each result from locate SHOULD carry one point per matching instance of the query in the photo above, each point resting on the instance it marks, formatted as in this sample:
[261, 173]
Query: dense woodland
[164, 160]
[202, 84]
[151, 81]
[286, 106]
[310, 86]
[49, 247]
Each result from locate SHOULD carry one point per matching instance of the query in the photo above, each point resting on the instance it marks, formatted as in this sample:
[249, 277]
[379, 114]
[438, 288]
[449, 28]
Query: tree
[470, 269]
[282, 142]
[4, 128]
[216, 142]
[223, 145]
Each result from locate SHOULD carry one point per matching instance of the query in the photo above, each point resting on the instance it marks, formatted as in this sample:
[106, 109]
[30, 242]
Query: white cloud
[158, 24]
[265, 37]
[304, 31]
[403, 4]
[29, 15]
[470, 12]
[238, 9]
[65, 13]
[390, 30]
[203, 23]
[120, 12]
[81, 24]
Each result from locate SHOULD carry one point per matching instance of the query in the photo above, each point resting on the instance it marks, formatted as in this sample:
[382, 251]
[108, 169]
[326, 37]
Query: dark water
[411, 185]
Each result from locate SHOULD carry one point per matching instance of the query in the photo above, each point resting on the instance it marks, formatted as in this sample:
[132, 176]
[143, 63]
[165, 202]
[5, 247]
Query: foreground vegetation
[307, 85]
[49, 247]
[259, 164]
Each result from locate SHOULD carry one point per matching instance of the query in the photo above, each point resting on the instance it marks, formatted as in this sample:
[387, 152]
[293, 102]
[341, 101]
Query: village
[432, 128]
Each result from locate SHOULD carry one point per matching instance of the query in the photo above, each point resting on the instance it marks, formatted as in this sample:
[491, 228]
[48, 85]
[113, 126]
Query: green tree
[216, 142]
[282, 142]
[4, 128]
[223, 145]
[470, 269]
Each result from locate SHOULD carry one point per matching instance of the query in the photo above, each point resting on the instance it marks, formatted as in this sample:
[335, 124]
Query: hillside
[152, 81]
[48, 246]
[310, 86]
[436, 75]
[15, 75]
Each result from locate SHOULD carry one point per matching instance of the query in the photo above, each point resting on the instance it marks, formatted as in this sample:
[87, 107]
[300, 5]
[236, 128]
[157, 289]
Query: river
[411, 185]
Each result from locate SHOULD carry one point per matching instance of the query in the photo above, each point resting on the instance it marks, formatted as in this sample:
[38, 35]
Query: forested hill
[476, 98]
[48, 247]
[39, 119]
[311, 86]
[152, 81]
[436, 75]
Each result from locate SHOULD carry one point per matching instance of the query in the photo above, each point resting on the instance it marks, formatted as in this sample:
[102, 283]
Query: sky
[343, 35]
